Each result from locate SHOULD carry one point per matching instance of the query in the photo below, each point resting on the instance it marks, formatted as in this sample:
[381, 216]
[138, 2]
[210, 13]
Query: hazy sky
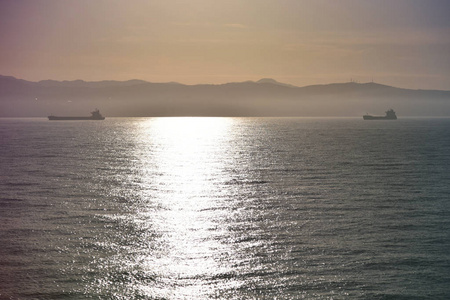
[404, 43]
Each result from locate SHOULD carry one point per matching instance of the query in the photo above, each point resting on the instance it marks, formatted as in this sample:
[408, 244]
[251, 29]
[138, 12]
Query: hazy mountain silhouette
[96, 84]
[273, 81]
[266, 97]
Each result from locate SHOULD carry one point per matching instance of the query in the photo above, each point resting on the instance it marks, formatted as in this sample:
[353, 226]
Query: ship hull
[55, 118]
[368, 117]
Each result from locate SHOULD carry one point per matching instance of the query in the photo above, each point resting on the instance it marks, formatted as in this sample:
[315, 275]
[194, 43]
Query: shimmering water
[225, 208]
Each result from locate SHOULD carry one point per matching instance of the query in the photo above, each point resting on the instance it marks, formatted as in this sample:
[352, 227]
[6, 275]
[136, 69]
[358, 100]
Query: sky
[403, 43]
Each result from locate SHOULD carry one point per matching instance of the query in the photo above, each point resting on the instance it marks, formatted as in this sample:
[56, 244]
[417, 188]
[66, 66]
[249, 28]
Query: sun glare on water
[183, 156]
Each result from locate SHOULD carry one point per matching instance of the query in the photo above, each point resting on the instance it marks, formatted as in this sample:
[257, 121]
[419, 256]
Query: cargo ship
[390, 115]
[95, 115]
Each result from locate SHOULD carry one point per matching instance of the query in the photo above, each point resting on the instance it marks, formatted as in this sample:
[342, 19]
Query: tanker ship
[95, 115]
[390, 115]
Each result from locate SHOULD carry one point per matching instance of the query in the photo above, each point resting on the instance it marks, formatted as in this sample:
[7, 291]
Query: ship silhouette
[390, 115]
[95, 115]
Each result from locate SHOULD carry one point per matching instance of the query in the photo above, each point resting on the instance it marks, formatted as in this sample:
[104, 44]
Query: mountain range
[266, 97]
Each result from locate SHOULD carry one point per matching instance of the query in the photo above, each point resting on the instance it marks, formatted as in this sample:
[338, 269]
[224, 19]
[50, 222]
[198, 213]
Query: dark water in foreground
[225, 208]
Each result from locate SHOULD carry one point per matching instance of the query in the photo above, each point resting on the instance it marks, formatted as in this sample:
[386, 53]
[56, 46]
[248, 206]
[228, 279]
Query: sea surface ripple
[225, 208]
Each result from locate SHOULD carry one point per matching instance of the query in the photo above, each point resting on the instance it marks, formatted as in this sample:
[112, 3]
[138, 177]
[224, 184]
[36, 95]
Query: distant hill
[81, 83]
[273, 81]
[266, 97]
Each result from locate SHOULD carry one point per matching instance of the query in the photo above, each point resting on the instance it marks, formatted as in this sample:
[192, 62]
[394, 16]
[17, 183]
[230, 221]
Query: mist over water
[225, 208]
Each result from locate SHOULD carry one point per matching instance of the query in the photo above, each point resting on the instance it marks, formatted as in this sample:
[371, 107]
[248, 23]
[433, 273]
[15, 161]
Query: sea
[225, 208]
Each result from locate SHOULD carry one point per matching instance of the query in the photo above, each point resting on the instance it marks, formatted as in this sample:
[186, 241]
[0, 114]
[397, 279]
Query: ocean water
[225, 208]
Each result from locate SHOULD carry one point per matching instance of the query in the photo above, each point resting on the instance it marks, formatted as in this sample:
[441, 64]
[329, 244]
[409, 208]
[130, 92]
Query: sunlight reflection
[187, 155]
